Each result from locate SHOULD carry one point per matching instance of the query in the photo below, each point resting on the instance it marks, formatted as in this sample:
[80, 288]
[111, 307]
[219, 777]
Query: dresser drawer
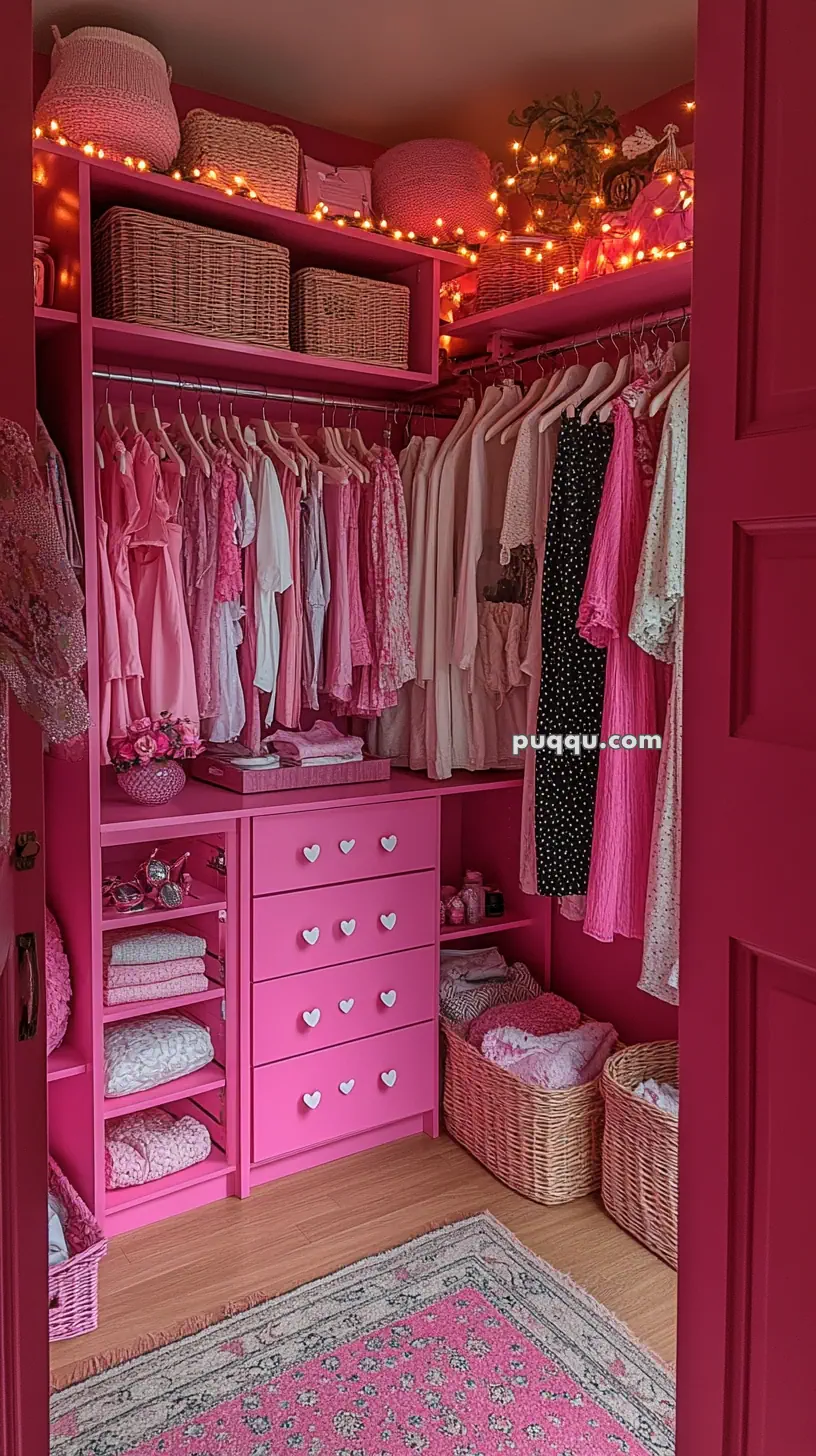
[317, 1009]
[331, 846]
[312, 928]
[350, 1088]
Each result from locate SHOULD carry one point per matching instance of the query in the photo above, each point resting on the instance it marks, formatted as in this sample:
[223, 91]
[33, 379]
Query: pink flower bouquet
[154, 740]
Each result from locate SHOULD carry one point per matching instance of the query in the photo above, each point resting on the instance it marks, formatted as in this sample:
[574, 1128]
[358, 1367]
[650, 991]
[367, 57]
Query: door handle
[28, 977]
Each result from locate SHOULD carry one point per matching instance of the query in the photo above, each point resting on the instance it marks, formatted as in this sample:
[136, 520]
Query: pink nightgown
[634, 694]
[120, 506]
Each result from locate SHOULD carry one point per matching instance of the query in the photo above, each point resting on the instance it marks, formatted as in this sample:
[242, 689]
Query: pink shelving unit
[94, 830]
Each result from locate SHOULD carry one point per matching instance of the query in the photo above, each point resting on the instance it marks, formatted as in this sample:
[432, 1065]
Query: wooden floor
[312, 1223]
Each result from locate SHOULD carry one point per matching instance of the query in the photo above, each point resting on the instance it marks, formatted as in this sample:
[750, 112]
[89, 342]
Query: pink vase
[153, 783]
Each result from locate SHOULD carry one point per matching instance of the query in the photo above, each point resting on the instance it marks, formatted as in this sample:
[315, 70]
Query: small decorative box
[230, 775]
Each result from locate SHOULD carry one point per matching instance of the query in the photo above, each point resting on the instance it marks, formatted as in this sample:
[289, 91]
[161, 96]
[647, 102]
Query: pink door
[748, 951]
[23, 1226]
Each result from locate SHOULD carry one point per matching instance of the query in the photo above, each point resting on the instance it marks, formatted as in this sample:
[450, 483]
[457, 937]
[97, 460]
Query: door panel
[748, 937]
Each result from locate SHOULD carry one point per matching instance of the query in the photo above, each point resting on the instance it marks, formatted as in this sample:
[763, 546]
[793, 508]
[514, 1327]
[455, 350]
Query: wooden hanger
[290, 430]
[269, 442]
[182, 426]
[516, 414]
[665, 394]
[602, 401]
[549, 407]
[551, 384]
[106, 420]
[152, 423]
[222, 436]
[597, 379]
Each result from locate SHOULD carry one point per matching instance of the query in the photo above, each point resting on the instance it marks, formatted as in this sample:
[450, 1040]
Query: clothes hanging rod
[525, 352]
[387, 407]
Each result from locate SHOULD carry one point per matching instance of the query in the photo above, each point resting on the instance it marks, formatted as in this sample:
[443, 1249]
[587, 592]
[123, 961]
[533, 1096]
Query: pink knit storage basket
[416, 183]
[73, 1286]
[112, 89]
[267, 158]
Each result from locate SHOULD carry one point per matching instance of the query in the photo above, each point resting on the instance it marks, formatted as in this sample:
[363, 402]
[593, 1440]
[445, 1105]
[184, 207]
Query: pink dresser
[344, 924]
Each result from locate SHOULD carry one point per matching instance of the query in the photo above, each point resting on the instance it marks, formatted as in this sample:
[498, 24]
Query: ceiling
[387, 71]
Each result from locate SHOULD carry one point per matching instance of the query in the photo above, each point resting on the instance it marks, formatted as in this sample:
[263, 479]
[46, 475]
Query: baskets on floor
[72, 1287]
[510, 270]
[544, 1144]
[176, 275]
[417, 183]
[112, 89]
[639, 1183]
[345, 317]
[247, 155]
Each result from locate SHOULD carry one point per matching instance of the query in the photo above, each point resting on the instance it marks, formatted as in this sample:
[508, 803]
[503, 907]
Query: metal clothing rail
[290, 397]
[638, 327]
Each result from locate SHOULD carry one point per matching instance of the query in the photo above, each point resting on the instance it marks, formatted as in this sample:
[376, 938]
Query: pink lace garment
[567, 1059]
[42, 638]
[384, 572]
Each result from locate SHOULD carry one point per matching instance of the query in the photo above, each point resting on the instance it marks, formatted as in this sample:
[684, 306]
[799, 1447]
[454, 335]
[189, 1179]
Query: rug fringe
[146, 1344]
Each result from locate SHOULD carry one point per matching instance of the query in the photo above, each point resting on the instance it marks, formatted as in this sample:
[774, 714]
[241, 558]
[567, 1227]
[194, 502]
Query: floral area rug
[460, 1343]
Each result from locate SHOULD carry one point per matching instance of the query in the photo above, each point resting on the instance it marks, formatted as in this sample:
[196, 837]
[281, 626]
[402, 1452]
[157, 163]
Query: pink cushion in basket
[542, 1016]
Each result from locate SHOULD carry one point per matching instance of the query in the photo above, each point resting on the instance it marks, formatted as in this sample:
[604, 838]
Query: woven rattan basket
[639, 1182]
[73, 1287]
[344, 317]
[246, 155]
[509, 271]
[176, 275]
[546, 1145]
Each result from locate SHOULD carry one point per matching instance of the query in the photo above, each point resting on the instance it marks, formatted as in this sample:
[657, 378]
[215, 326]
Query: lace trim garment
[42, 638]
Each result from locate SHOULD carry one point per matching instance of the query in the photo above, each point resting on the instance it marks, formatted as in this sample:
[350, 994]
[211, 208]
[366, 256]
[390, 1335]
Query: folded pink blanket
[542, 1015]
[155, 990]
[152, 974]
[565, 1059]
[320, 740]
[148, 1145]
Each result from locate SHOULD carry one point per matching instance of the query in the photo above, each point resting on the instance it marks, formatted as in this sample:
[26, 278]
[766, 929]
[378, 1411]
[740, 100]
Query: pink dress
[110, 657]
[384, 576]
[287, 696]
[634, 691]
[251, 732]
[199, 552]
[155, 568]
[120, 505]
[337, 643]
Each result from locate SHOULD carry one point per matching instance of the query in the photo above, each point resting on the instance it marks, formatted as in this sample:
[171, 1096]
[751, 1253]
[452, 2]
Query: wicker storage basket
[72, 1287]
[416, 183]
[112, 89]
[639, 1182]
[265, 158]
[345, 317]
[546, 1145]
[508, 272]
[177, 275]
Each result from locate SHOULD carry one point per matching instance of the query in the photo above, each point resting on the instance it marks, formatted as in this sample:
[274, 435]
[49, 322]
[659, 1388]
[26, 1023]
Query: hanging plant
[561, 158]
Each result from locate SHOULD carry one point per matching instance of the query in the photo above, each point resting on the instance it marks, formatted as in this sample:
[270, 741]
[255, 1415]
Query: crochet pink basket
[57, 984]
[416, 183]
[73, 1286]
[112, 89]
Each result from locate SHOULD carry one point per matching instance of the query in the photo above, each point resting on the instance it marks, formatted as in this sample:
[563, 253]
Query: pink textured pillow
[57, 984]
[542, 1016]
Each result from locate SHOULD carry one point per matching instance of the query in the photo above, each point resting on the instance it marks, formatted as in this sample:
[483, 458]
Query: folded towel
[661, 1094]
[152, 947]
[322, 740]
[155, 990]
[473, 966]
[319, 760]
[152, 972]
[565, 1059]
[148, 1145]
[542, 1015]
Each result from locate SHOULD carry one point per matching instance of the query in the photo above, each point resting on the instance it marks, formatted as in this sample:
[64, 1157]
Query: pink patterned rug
[460, 1343]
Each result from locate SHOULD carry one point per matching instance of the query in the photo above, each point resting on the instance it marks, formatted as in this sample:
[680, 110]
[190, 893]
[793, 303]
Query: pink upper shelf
[648, 288]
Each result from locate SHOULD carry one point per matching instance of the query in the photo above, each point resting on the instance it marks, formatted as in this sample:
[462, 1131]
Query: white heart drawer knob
[312, 936]
[346, 1087]
[389, 842]
[388, 997]
[348, 927]
[345, 1006]
[389, 1078]
[311, 1099]
[311, 852]
[312, 1017]
[347, 845]
[388, 921]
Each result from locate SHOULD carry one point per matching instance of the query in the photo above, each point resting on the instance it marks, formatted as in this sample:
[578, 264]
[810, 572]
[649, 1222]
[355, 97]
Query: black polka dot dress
[572, 670]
